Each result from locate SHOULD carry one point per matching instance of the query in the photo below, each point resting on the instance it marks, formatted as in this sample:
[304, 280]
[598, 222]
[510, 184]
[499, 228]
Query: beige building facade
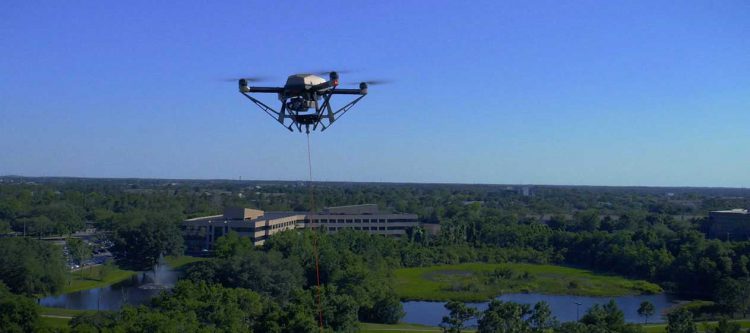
[201, 232]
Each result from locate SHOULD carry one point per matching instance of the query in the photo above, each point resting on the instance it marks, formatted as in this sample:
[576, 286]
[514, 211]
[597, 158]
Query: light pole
[578, 306]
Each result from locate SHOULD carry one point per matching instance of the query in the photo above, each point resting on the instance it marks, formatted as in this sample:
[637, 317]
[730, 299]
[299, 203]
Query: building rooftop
[205, 218]
[252, 215]
[352, 209]
[732, 211]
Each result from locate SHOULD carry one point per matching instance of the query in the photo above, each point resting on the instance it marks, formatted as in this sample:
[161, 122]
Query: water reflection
[138, 289]
[563, 307]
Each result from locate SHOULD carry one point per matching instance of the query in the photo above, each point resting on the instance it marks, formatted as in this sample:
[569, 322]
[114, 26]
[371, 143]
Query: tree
[265, 273]
[4, 227]
[605, 317]
[339, 310]
[31, 267]
[232, 244]
[646, 309]
[588, 220]
[38, 226]
[725, 326]
[541, 318]
[459, 315]
[79, 250]
[17, 313]
[141, 241]
[387, 309]
[572, 327]
[505, 317]
[231, 309]
[93, 322]
[300, 313]
[733, 295]
[681, 321]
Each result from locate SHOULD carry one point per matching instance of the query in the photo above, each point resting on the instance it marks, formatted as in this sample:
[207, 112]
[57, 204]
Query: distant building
[526, 191]
[733, 224]
[201, 232]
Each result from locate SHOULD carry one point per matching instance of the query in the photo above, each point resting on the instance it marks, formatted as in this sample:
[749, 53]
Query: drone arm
[278, 116]
[264, 90]
[348, 92]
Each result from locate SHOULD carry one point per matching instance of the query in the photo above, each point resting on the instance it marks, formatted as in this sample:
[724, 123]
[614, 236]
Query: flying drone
[305, 100]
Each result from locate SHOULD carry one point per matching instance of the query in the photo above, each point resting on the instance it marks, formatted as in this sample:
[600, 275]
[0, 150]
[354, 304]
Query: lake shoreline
[564, 308]
[479, 282]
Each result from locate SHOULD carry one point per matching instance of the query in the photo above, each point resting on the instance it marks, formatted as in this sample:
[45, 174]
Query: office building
[201, 232]
[733, 224]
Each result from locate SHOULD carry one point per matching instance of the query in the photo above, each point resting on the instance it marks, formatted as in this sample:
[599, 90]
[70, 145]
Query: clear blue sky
[540, 92]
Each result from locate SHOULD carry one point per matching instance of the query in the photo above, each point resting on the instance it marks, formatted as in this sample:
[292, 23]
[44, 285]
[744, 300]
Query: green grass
[57, 324]
[480, 282]
[89, 278]
[401, 327]
[54, 324]
[44, 310]
[179, 261]
[662, 328]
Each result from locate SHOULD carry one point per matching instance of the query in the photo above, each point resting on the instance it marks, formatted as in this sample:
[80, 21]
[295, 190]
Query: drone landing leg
[326, 106]
[340, 112]
[276, 115]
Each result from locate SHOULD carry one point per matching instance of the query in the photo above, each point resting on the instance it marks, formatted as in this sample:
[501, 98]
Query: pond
[138, 289]
[563, 307]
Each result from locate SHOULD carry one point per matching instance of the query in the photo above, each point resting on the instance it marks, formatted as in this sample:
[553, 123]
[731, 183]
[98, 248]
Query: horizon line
[375, 182]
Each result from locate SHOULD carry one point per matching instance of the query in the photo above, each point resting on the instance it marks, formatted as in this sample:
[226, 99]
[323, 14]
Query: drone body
[305, 100]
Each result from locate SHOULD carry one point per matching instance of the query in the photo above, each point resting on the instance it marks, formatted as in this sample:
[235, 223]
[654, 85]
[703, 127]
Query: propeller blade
[247, 78]
[371, 82]
[342, 71]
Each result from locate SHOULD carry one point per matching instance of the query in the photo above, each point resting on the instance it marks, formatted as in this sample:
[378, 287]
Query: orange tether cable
[315, 233]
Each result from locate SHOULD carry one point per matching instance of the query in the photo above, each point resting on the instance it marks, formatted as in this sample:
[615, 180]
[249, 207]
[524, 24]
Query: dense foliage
[656, 234]
[354, 269]
[17, 313]
[510, 317]
[190, 308]
[140, 240]
[31, 267]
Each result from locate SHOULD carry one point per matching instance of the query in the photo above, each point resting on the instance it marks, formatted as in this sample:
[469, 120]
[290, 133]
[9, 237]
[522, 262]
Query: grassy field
[702, 326]
[480, 282]
[93, 277]
[651, 328]
[56, 319]
[401, 327]
[179, 261]
[61, 312]
[47, 324]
